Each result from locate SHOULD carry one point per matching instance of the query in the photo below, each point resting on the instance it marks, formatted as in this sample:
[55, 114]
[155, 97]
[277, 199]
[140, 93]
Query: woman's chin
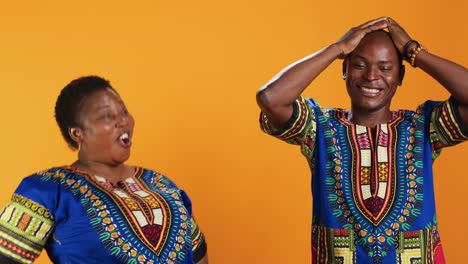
[121, 157]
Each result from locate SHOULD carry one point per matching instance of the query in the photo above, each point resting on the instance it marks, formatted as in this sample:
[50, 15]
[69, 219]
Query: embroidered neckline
[343, 114]
[102, 180]
[151, 223]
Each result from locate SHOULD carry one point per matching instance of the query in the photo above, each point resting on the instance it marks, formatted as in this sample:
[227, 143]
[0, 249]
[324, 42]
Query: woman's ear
[76, 134]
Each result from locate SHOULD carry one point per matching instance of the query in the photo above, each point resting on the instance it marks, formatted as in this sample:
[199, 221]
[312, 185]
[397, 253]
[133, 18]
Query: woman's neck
[113, 173]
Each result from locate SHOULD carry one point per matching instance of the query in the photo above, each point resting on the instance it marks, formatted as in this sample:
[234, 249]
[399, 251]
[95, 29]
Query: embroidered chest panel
[373, 178]
[372, 175]
[147, 212]
[140, 220]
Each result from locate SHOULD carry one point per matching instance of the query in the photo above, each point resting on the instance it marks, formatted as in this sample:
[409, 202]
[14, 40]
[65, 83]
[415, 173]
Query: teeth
[370, 90]
[124, 136]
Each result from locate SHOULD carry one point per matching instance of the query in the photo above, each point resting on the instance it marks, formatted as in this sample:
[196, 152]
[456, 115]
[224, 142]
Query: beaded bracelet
[405, 48]
[413, 53]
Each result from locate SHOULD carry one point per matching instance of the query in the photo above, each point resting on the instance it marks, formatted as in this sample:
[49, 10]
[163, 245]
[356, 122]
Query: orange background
[188, 71]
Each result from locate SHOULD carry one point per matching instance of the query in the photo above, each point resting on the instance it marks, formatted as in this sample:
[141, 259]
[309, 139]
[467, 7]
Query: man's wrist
[336, 50]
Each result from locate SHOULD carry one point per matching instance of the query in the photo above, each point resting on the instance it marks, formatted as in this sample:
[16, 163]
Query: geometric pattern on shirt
[375, 239]
[297, 126]
[377, 236]
[148, 214]
[24, 229]
[408, 139]
[444, 130]
[197, 236]
[115, 223]
[333, 246]
[344, 247]
[374, 178]
[340, 249]
[417, 246]
[299, 131]
[410, 250]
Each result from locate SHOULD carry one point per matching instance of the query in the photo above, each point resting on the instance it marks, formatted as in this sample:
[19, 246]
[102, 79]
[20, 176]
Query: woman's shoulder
[43, 176]
[41, 188]
[57, 171]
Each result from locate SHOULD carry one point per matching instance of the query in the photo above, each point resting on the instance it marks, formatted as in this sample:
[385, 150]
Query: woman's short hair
[68, 104]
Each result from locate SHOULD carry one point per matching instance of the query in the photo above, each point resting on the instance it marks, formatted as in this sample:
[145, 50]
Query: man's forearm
[276, 97]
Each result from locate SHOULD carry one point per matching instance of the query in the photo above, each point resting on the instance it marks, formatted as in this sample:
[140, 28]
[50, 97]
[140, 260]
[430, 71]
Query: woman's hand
[351, 39]
[398, 34]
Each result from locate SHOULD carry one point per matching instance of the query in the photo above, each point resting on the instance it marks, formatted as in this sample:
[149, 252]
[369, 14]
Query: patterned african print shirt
[373, 195]
[80, 218]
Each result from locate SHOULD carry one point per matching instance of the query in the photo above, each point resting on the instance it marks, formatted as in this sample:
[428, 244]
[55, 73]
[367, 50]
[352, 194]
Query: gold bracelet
[414, 53]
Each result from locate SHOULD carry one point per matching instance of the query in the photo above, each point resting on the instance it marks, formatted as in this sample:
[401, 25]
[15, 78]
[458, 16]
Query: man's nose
[372, 73]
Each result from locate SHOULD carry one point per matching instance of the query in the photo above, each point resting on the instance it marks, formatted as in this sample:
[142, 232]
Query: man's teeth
[370, 90]
[124, 136]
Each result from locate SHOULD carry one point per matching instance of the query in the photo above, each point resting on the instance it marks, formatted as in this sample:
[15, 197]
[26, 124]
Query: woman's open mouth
[124, 140]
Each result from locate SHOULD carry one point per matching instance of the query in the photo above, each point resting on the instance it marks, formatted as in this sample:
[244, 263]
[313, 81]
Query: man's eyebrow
[359, 57]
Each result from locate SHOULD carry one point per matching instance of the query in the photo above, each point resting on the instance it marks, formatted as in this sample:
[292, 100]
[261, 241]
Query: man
[371, 167]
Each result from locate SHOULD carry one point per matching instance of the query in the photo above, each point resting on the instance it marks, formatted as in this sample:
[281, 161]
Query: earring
[344, 76]
[79, 146]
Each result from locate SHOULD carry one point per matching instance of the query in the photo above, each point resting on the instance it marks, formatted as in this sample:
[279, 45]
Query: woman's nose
[121, 120]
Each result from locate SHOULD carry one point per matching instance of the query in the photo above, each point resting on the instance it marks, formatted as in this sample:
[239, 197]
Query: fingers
[373, 21]
[398, 34]
[354, 36]
[391, 21]
[376, 26]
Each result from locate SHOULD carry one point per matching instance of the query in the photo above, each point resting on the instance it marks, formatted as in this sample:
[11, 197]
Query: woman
[371, 166]
[99, 209]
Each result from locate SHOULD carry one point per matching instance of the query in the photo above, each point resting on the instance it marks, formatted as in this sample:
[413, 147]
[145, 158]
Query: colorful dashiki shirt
[373, 195]
[80, 218]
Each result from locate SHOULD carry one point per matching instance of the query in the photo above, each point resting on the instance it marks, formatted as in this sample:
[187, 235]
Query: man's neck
[370, 118]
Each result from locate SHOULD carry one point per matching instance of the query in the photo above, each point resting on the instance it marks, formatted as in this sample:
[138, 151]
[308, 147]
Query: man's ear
[76, 134]
[402, 74]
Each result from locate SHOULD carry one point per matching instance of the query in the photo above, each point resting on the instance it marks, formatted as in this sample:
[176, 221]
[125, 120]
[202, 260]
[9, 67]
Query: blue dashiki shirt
[373, 195]
[80, 218]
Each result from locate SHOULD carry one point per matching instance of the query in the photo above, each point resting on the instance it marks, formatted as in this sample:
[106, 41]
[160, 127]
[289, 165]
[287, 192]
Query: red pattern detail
[341, 232]
[447, 120]
[309, 142]
[152, 233]
[374, 204]
[411, 234]
[17, 250]
[383, 139]
[300, 120]
[363, 141]
[437, 145]
[134, 187]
